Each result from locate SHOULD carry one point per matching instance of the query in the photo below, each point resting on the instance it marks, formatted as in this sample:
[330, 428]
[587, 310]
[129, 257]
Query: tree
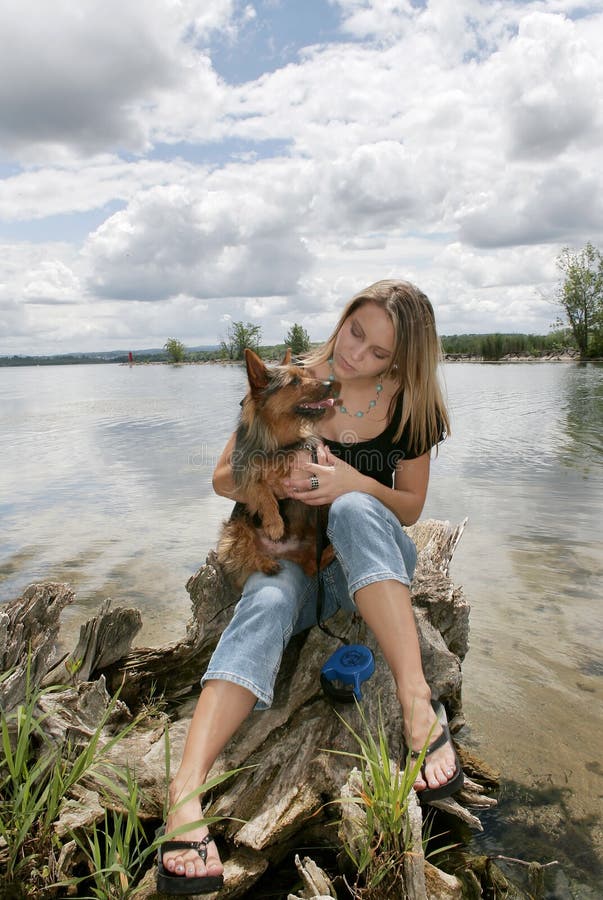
[581, 295]
[298, 339]
[175, 350]
[492, 346]
[241, 335]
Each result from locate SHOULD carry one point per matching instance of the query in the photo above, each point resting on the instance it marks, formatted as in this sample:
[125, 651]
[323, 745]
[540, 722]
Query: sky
[168, 167]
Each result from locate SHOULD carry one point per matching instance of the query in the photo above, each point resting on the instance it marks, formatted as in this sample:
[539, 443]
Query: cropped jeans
[370, 546]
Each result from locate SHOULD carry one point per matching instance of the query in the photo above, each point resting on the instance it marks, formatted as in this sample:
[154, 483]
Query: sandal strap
[199, 846]
[442, 739]
[204, 842]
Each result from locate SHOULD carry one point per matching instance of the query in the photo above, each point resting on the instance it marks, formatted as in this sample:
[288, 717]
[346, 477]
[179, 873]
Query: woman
[373, 471]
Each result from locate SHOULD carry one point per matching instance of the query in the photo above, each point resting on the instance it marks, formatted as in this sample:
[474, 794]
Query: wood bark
[292, 753]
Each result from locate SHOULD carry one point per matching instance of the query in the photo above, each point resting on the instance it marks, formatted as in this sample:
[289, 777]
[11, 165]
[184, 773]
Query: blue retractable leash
[351, 665]
[345, 670]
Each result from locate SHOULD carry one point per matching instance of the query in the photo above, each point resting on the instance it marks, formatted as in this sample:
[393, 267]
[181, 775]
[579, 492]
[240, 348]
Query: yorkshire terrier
[278, 418]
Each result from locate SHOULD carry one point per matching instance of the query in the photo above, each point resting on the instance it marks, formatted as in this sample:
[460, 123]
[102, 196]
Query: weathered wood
[174, 669]
[316, 883]
[74, 714]
[414, 860]
[29, 628]
[440, 885]
[104, 640]
[291, 770]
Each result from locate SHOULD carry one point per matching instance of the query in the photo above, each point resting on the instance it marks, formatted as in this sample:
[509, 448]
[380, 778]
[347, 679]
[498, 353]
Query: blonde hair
[414, 361]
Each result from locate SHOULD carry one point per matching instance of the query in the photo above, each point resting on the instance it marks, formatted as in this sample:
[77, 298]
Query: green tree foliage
[496, 346]
[580, 294]
[298, 339]
[241, 335]
[175, 350]
[492, 346]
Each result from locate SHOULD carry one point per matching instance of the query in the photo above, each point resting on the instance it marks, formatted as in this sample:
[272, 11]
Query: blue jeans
[370, 546]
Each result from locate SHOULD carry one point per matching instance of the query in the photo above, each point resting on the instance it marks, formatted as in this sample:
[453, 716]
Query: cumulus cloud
[539, 208]
[84, 77]
[453, 144]
[194, 239]
[382, 17]
[52, 283]
[44, 274]
[38, 286]
[550, 82]
[37, 193]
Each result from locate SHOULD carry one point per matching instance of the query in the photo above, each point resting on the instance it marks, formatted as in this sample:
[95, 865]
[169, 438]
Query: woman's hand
[335, 477]
[303, 458]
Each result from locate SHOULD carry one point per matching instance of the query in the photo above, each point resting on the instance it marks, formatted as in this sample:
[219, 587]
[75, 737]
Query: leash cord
[320, 590]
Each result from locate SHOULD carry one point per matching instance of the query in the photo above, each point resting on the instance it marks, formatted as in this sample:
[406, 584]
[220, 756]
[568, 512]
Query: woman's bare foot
[188, 863]
[439, 766]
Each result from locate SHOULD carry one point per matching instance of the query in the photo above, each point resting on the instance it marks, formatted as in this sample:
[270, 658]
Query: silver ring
[314, 483]
[449, 771]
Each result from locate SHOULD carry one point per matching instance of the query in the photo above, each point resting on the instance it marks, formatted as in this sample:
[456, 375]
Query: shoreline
[451, 357]
[564, 356]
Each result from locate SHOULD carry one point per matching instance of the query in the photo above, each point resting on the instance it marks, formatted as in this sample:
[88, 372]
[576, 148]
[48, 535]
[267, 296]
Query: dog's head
[287, 393]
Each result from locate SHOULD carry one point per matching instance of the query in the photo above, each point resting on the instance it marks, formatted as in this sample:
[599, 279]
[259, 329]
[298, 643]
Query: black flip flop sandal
[179, 885]
[457, 779]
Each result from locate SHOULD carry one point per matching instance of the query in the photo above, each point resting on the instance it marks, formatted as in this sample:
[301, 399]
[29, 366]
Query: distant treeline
[483, 346]
[62, 359]
[495, 346]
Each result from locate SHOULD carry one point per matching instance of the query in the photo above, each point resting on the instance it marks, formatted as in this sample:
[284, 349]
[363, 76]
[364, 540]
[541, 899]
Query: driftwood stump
[293, 775]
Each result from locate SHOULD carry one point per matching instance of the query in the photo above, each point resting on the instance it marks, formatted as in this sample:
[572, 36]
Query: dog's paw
[275, 530]
[328, 555]
[270, 567]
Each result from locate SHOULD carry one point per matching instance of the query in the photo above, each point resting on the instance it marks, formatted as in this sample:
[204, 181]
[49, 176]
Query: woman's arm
[222, 479]
[406, 499]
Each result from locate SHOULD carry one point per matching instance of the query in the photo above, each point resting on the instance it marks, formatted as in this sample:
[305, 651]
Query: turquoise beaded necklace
[361, 413]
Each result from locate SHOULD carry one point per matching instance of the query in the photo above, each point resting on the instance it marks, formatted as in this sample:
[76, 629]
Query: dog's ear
[286, 357]
[257, 373]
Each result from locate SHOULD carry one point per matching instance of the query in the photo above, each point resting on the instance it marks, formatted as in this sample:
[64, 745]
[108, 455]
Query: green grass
[119, 850]
[385, 794]
[38, 776]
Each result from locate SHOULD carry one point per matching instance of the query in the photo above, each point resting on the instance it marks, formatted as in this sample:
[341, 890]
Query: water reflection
[583, 416]
[106, 481]
[524, 465]
[106, 484]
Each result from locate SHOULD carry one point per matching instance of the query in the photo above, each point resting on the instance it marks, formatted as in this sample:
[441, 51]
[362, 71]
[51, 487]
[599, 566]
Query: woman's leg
[240, 675]
[386, 608]
[221, 709]
[378, 559]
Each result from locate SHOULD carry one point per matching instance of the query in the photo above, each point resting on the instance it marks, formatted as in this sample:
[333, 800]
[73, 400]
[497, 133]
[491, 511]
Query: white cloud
[218, 236]
[389, 18]
[529, 208]
[454, 144]
[90, 76]
[40, 192]
[550, 82]
[52, 282]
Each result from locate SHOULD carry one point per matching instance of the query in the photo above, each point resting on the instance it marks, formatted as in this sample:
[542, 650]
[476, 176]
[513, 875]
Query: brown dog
[277, 420]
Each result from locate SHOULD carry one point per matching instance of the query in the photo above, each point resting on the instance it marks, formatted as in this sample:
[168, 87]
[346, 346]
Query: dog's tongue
[321, 404]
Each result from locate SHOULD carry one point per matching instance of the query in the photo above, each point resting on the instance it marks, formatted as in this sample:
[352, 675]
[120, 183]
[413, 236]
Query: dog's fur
[278, 416]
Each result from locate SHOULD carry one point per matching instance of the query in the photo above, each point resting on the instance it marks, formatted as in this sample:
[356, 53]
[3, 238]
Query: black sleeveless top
[377, 457]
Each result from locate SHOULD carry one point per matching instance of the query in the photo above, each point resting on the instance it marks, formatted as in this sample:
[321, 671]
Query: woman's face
[365, 343]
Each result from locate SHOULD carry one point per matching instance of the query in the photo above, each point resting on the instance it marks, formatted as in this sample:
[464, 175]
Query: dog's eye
[295, 380]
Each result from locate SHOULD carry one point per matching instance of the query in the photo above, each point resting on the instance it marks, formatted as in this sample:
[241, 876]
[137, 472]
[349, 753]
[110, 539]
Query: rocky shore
[557, 356]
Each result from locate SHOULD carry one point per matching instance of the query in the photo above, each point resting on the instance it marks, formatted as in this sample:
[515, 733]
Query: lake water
[105, 483]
